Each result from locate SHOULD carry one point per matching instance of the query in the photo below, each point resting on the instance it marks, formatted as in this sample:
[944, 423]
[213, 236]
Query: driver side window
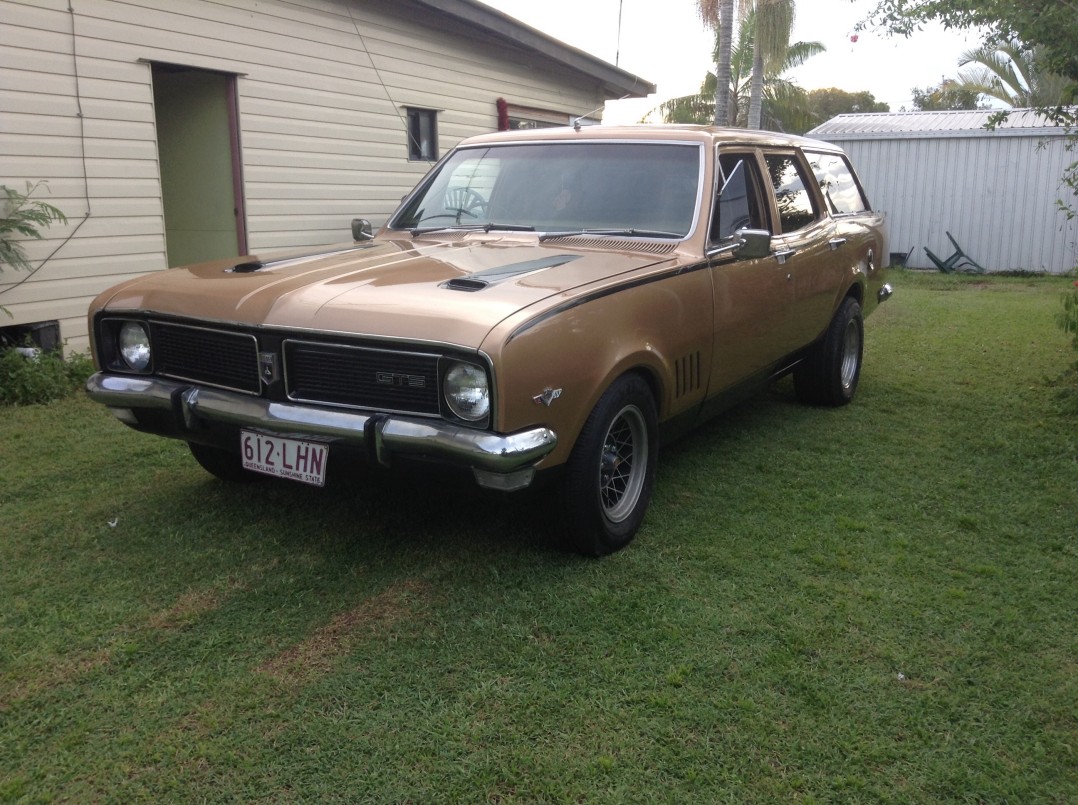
[739, 204]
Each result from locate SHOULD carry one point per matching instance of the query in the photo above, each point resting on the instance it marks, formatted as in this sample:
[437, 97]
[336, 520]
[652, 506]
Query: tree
[949, 95]
[1013, 73]
[23, 217]
[719, 16]
[785, 106]
[774, 22]
[774, 25]
[831, 102]
[1052, 24]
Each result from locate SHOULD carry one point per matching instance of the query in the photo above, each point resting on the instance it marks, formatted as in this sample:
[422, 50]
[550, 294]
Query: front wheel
[611, 472]
[829, 373]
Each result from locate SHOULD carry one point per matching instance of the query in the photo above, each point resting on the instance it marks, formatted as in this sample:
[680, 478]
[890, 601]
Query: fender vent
[687, 375]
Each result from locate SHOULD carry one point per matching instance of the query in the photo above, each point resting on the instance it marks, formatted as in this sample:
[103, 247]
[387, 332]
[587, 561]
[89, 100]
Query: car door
[753, 297]
[802, 245]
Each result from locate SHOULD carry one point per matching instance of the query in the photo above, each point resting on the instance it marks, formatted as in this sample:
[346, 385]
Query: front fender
[552, 370]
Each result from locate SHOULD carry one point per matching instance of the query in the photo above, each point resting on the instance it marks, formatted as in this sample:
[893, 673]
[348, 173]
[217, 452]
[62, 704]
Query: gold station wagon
[545, 304]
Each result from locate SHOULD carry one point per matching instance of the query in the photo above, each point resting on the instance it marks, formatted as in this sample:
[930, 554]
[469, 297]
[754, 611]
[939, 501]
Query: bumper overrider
[499, 461]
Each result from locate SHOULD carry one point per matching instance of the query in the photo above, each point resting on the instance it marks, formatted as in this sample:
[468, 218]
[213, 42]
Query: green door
[198, 151]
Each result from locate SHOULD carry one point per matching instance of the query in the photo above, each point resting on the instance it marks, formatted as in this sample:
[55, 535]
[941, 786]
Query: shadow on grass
[367, 512]
[364, 512]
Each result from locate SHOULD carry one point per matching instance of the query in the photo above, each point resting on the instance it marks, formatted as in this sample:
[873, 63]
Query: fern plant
[23, 217]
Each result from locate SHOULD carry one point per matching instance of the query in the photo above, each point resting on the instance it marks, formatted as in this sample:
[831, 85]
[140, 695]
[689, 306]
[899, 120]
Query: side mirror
[362, 229]
[753, 244]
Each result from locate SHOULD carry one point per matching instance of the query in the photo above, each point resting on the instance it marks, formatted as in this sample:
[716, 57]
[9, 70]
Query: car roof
[716, 135]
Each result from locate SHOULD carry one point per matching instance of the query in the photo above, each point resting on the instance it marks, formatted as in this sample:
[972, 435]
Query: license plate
[284, 458]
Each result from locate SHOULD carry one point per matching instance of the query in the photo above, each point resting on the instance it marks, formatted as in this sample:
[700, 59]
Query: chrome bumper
[885, 292]
[498, 461]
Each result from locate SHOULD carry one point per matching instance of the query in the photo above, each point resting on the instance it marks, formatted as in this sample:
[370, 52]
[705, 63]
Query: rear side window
[837, 184]
[796, 207]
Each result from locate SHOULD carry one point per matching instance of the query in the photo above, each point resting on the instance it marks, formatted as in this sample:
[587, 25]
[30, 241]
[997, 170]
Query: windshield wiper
[473, 228]
[629, 232]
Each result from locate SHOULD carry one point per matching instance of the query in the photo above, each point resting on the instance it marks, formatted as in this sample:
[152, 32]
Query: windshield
[634, 189]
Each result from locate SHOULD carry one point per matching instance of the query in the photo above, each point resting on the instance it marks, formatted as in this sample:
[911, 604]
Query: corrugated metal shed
[958, 123]
[939, 172]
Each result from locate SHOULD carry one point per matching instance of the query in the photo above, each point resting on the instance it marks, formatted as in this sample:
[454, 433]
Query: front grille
[209, 356]
[361, 378]
[314, 372]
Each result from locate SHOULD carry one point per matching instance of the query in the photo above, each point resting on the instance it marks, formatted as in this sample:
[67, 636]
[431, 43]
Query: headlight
[135, 345]
[467, 392]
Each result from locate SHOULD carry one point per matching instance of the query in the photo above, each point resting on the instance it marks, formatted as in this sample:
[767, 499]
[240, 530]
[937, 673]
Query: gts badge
[547, 397]
[400, 380]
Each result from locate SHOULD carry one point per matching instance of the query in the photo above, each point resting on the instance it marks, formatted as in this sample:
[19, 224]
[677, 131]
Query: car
[545, 306]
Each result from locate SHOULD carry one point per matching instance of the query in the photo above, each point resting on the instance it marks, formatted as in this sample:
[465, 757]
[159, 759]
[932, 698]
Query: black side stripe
[591, 297]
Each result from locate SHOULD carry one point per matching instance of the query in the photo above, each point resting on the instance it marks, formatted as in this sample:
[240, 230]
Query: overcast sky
[663, 41]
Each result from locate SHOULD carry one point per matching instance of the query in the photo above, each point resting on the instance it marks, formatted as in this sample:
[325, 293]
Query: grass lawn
[872, 603]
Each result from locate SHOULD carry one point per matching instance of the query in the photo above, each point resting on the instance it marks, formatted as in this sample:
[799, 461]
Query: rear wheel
[611, 472]
[830, 372]
[222, 463]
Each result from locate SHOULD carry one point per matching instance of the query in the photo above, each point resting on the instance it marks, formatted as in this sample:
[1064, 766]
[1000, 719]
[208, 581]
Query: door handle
[836, 243]
[785, 255]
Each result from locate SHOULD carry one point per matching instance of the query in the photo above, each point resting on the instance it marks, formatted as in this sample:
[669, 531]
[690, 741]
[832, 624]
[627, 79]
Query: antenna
[576, 121]
[617, 53]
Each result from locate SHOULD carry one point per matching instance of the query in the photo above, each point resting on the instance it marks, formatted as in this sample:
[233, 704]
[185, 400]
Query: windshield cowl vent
[444, 234]
[619, 244]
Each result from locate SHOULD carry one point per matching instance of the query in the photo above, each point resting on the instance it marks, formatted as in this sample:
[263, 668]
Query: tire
[222, 464]
[830, 372]
[610, 474]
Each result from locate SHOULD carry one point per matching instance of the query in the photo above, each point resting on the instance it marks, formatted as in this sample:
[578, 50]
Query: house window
[524, 117]
[422, 135]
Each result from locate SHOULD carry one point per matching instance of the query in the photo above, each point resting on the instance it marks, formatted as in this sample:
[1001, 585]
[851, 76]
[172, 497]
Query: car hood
[450, 292]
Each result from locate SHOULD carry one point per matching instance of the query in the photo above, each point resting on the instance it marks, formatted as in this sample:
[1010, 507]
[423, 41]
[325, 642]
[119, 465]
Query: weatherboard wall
[996, 192]
[322, 88]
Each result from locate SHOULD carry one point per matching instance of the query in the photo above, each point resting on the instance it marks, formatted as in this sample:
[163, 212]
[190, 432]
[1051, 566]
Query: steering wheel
[466, 201]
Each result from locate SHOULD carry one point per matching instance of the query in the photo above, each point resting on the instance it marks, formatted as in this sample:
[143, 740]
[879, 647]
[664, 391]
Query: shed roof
[960, 123]
[615, 81]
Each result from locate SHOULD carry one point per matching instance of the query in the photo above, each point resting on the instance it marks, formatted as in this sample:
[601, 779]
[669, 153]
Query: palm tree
[719, 15]
[771, 41]
[784, 105]
[1011, 73]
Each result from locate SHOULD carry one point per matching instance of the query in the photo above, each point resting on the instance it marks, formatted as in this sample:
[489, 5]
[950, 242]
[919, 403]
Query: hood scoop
[490, 276]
